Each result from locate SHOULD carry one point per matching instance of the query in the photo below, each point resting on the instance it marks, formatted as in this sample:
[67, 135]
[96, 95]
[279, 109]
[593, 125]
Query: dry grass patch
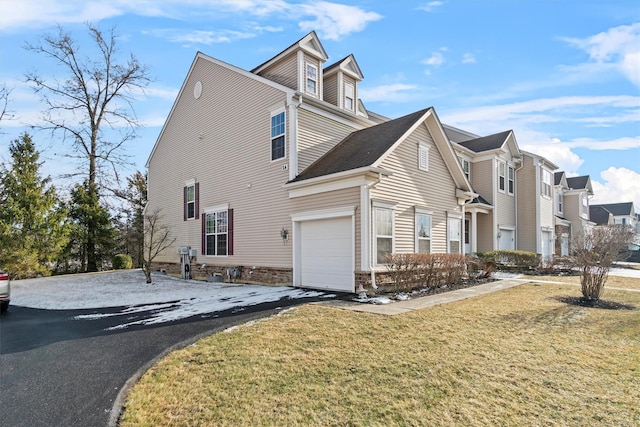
[612, 281]
[515, 357]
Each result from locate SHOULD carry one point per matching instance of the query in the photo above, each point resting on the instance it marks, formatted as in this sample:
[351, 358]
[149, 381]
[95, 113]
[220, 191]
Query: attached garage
[325, 254]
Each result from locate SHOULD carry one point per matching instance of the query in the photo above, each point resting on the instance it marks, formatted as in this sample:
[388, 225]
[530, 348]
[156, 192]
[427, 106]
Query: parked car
[5, 291]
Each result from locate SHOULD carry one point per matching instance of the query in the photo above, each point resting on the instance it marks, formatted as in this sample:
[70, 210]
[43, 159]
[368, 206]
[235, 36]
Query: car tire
[4, 306]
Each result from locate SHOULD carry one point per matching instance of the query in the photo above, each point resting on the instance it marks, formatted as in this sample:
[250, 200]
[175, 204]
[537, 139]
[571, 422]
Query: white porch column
[474, 231]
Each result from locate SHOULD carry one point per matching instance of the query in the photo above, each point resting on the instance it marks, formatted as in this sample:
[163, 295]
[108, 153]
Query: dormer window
[349, 95]
[312, 79]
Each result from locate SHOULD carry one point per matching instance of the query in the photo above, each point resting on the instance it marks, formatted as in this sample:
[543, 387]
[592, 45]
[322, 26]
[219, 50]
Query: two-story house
[572, 208]
[490, 163]
[535, 205]
[622, 213]
[282, 171]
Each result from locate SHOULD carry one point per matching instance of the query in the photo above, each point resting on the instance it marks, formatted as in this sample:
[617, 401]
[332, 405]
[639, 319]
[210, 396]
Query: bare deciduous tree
[157, 238]
[92, 106]
[593, 253]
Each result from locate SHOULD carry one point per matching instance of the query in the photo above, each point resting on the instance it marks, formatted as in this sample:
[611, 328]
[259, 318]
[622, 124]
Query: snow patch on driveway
[167, 298]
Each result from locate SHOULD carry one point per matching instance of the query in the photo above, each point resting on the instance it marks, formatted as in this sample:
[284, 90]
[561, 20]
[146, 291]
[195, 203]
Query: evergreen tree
[85, 209]
[33, 228]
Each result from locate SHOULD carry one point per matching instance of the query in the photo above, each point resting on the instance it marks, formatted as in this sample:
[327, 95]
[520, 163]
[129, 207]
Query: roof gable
[370, 146]
[493, 142]
[600, 215]
[580, 183]
[309, 43]
[560, 178]
[347, 65]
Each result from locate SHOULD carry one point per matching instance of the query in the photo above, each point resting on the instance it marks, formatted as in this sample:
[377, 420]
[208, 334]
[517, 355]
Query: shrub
[121, 262]
[521, 260]
[410, 271]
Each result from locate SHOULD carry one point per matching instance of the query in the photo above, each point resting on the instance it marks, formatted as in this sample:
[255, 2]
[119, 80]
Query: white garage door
[326, 254]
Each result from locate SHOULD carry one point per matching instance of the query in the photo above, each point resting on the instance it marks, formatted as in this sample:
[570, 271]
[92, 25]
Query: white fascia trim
[324, 214]
[334, 181]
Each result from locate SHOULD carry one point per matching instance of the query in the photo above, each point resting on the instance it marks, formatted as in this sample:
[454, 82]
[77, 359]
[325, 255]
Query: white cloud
[435, 60]
[392, 92]
[618, 185]
[430, 6]
[468, 58]
[562, 156]
[618, 47]
[333, 20]
[199, 36]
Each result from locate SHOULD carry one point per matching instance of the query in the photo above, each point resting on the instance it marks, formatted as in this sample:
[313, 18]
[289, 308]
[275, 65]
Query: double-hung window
[349, 96]
[384, 233]
[278, 136]
[511, 182]
[423, 233]
[560, 201]
[312, 79]
[190, 200]
[216, 233]
[466, 168]
[501, 176]
[546, 183]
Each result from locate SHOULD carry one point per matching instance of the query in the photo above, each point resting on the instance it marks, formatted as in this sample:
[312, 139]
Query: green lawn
[512, 358]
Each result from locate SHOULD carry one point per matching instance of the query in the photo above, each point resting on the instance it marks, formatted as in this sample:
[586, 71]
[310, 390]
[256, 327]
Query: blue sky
[564, 75]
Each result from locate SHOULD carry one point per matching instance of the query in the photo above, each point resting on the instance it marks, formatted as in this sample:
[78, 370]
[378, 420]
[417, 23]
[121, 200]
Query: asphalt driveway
[66, 351]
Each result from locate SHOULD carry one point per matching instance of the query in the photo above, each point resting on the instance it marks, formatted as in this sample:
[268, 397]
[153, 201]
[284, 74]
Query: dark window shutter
[197, 204]
[230, 232]
[204, 234]
[184, 198]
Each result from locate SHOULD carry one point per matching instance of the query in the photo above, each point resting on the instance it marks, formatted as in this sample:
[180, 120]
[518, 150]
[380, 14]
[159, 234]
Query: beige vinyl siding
[284, 71]
[486, 234]
[331, 89]
[528, 202]
[482, 179]
[546, 208]
[433, 190]
[317, 135]
[348, 197]
[211, 139]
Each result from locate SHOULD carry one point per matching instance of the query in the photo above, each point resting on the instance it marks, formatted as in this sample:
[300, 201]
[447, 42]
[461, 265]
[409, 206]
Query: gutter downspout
[370, 266]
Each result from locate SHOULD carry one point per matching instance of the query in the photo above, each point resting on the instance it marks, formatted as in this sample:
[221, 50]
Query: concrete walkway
[400, 307]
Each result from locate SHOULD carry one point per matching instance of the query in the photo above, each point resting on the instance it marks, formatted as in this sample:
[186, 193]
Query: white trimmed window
[466, 168]
[278, 135]
[560, 201]
[501, 176]
[312, 79]
[216, 233]
[511, 180]
[383, 218]
[423, 233]
[423, 157]
[546, 183]
[191, 201]
[349, 96]
[455, 233]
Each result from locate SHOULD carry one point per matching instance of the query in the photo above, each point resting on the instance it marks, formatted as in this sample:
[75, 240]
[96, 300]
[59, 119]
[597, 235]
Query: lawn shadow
[591, 303]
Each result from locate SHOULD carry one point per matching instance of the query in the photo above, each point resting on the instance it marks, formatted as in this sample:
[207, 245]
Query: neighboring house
[562, 224]
[622, 213]
[490, 163]
[282, 171]
[576, 192]
[535, 205]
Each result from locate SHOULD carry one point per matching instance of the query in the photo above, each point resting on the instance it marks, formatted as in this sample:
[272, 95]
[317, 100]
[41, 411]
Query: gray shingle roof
[576, 182]
[361, 148]
[486, 143]
[557, 177]
[599, 215]
[625, 208]
[480, 200]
